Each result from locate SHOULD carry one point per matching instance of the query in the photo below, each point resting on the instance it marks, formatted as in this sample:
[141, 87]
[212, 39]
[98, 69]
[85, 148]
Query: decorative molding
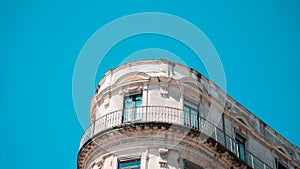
[191, 95]
[163, 153]
[98, 164]
[133, 89]
[164, 89]
[106, 101]
[280, 149]
[163, 164]
[213, 92]
[192, 83]
[132, 77]
[242, 120]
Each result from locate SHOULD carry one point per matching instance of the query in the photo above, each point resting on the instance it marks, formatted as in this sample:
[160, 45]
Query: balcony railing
[174, 116]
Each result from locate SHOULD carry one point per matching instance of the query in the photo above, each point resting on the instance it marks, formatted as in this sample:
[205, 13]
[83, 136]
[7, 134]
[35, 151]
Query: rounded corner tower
[157, 114]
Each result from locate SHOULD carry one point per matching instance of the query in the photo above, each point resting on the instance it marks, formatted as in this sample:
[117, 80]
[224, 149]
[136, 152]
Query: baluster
[176, 116]
[114, 119]
[173, 116]
[150, 114]
[153, 113]
[99, 123]
[140, 113]
[234, 147]
[109, 120]
[156, 114]
[102, 124]
[252, 162]
[160, 113]
[164, 114]
[120, 117]
[216, 134]
[169, 115]
[105, 122]
[161, 116]
[143, 113]
[231, 145]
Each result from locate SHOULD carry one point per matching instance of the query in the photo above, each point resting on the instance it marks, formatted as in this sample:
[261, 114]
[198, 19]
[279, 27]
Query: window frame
[191, 121]
[133, 108]
[240, 140]
[137, 159]
[279, 162]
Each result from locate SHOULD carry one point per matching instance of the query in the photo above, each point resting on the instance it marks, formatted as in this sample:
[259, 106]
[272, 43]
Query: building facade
[156, 114]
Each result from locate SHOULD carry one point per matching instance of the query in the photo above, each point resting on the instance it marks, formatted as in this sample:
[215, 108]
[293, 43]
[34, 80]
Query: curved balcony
[174, 116]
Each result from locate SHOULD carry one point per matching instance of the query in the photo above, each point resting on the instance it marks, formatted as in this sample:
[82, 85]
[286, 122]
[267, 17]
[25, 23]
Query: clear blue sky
[258, 44]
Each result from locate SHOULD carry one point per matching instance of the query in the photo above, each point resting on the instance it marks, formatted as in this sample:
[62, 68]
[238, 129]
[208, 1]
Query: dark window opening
[279, 164]
[191, 165]
[240, 143]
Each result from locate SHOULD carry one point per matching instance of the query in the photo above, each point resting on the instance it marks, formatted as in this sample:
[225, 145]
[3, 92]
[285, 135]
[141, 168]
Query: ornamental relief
[98, 164]
[192, 95]
[164, 89]
[133, 88]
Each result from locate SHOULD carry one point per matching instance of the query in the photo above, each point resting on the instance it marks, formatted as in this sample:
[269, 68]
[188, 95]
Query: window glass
[240, 141]
[132, 108]
[191, 114]
[130, 164]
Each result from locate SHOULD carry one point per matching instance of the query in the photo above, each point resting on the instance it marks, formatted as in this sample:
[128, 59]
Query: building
[156, 114]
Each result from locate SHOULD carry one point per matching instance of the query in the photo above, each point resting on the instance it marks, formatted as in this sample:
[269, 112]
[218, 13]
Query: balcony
[175, 116]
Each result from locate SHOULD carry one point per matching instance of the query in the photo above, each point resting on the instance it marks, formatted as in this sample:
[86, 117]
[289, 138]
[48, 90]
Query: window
[191, 114]
[240, 142]
[132, 112]
[191, 165]
[129, 164]
[279, 164]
